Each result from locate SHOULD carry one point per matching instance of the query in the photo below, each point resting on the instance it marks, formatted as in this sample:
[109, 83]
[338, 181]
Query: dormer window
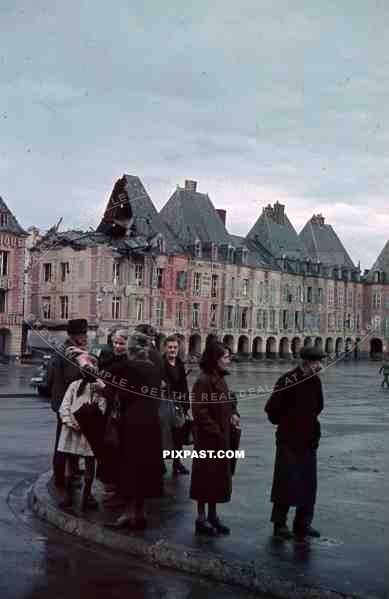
[214, 252]
[197, 249]
[376, 276]
[161, 245]
[231, 254]
[245, 254]
[3, 219]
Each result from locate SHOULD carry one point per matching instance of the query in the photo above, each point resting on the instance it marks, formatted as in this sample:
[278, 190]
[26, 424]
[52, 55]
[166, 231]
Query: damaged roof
[257, 256]
[9, 224]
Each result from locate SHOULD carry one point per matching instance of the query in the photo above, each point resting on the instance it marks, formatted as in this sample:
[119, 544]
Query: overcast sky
[256, 100]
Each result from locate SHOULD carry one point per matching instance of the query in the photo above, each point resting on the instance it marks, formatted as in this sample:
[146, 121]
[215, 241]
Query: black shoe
[205, 528]
[180, 469]
[282, 532]
[306, 531]
[220, 528]
[122, 522]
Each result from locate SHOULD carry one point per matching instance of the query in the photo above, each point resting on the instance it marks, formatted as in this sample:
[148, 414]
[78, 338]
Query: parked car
[39, 380]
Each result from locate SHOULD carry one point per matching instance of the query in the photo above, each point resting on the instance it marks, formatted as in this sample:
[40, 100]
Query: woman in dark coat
[140, 461]
[214, 414]
[108, 468]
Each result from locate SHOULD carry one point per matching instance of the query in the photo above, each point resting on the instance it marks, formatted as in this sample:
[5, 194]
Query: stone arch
[296, 346]
[357, 348]
[210, 338]
[329, 345]
[228, 341]
[319, 343]
[308, 342]
[271, 347]
[339, 346]
[194, 344]
[376, 348]
[348, 346]
[5, 342]
[284, 347]
[243, 345]
[258, 347]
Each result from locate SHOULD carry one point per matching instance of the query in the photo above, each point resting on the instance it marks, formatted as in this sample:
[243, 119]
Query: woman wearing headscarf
[140, 458]
[214, 413]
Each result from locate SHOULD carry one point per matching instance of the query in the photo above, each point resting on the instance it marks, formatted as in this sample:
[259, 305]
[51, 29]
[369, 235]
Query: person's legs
[303, 520]
[88, 501]
[202, 526]
[214, 520]
[59, 459]
[69, 461]
[279, 518]
[386, 379]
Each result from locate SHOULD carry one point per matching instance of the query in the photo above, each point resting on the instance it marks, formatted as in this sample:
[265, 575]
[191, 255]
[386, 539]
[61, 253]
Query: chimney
[190, 185]
[278, 212]
[222, 213]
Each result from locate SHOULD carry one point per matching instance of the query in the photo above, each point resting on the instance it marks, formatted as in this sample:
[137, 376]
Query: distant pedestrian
[214, 415]
[63, 370]
[294, 406]
[385, 371]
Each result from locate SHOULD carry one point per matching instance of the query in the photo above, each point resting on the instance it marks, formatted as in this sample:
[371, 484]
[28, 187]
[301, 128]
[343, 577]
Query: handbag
[92, 424]
[187, 431]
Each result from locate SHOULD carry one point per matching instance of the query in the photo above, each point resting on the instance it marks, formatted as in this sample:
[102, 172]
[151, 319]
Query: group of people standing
[122, 408]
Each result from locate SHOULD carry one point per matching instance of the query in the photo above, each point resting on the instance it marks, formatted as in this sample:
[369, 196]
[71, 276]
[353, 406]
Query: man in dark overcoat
[294, 406]
[63, 370]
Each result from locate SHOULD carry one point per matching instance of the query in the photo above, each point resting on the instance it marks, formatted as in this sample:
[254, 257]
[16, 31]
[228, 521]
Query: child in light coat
[72, 442]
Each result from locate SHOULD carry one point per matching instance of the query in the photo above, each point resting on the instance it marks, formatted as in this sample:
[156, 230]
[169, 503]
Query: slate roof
[77, 239]
[12, 225]
[191, 215]
[257, 256]
[323, 243]
[276, 233]
[381, 265]
[143, 219]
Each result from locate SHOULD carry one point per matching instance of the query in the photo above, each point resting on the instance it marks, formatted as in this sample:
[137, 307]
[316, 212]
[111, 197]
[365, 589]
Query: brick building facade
[266, 294]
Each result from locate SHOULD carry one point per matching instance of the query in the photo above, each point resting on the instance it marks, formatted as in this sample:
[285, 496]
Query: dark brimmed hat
[77, 326]
[146, 329]
[312, 354]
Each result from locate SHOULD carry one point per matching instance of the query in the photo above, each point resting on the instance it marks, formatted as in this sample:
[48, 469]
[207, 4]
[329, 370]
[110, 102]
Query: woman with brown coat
[214, 413]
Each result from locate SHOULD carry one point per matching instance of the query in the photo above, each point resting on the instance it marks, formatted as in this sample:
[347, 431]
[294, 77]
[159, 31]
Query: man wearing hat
[294, 406]
[63, 371]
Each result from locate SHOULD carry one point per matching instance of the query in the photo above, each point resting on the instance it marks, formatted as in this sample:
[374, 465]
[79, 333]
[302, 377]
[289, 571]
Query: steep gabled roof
[323, 243]
[11, 225]
[258, 256]
[275, 232]
[192, 216]
[380, 265]
[131, 211]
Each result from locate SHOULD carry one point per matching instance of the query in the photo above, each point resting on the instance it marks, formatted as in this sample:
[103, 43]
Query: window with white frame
[197, 283]
[340, 296]
[376, 298]
[265, 321]
[65, 271]
[330, 296]
[232, 288]
[161, 245]
[272, 320]
[139, 309]
[213, 315]
[115, 307]
[180, 314]
[160, 278]
[272, 293]
[3, 263]
[46, 307]
[229, 317]
[3, 219]
[197, 249]
[245, 287]
[195, 316]
[244, 318]
[231, 254]
[159, 316]
[139, 274]
[47, 271]
[214, 252]
[214, 286]
[245, 254]
[349, 297]
[259, 322]
[115, 272]
[3, 301]
[64, 307]
[331, 322]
